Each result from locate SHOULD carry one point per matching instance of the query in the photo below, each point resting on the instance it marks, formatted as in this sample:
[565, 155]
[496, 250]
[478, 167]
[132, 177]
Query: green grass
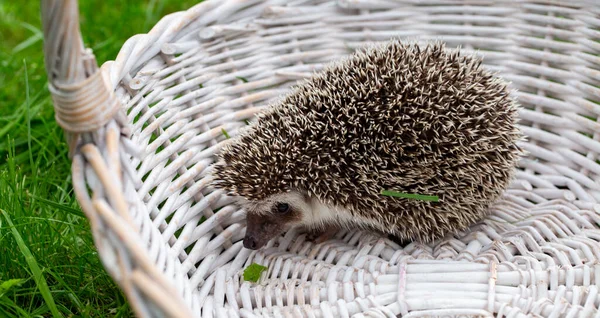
[49, 266]
[422, 197]
[252, 272]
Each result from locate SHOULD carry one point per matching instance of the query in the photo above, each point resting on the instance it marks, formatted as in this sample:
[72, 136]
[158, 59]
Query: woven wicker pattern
[174, 244]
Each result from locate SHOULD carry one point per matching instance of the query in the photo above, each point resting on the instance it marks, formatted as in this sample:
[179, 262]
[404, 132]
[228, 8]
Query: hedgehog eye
[283, 207]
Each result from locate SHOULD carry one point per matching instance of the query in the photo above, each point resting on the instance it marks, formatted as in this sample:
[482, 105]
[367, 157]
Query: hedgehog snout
[258, 234]
[250, 242]
[260, 229]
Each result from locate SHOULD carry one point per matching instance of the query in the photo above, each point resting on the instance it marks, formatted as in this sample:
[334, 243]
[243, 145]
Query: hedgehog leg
[321, 235]
[399, 241]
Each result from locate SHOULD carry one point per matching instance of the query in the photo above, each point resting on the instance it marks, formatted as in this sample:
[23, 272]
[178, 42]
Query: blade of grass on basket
[225, 133]
[38, 276]
[252, 272]
[421, 197]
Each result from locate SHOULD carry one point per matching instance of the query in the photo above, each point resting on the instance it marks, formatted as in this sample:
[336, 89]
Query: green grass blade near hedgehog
[397, 116]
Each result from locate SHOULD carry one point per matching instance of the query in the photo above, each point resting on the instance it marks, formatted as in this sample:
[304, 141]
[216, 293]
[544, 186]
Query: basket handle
[83, 101]
[94, 121]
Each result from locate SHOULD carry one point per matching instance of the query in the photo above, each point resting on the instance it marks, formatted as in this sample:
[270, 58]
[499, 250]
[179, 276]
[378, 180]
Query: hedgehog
[394, 116]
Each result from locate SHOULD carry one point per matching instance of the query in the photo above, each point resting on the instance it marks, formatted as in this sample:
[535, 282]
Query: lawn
[48, 263]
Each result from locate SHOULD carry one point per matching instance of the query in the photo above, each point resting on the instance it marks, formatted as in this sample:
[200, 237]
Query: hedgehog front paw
[321, 235]
[400, 241]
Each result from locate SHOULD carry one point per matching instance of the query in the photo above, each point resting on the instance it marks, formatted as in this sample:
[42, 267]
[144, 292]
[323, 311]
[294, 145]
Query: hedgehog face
[269, 218]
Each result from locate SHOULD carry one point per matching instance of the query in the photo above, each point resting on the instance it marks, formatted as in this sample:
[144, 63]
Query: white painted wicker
[143, 131]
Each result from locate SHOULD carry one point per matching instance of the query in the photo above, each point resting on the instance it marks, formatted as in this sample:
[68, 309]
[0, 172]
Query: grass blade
[27, 43]
[225, 133]
[7, 304]
[7, 285]
[433, 198]
[38, 276]
[70, 293]
[59, 206]
[36, 37]
[28, 110]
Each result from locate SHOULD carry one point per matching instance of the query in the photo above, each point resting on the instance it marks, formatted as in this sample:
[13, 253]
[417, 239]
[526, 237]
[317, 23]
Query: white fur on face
[322, 214]
[315, 213]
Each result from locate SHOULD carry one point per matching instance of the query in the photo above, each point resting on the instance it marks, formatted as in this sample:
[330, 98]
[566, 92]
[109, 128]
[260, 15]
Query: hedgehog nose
[250, 243]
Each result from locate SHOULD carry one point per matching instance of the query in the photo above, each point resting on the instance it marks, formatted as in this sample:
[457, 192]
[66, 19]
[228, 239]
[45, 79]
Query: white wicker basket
[143, 131]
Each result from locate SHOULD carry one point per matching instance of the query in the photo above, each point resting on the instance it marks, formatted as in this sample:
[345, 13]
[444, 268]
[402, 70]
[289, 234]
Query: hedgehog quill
[395, 116]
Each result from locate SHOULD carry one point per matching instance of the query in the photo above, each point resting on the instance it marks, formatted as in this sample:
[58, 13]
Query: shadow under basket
[143, 131]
